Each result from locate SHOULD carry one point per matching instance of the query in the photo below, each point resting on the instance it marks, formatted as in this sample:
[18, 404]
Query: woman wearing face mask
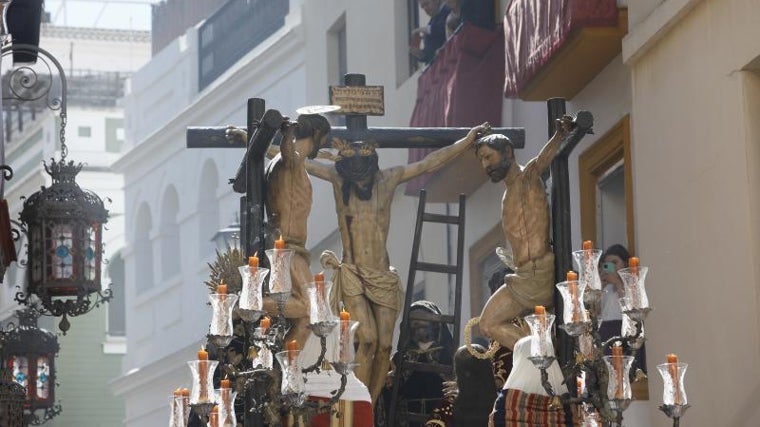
[613, 259]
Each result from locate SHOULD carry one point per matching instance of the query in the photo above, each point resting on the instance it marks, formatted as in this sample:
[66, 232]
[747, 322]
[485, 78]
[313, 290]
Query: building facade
[94, 135]
[655, 175]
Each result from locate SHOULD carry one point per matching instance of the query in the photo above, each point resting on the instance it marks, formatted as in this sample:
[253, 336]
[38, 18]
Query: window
[114, 134]
[143, 267]
[607, 198]
[170, 246]
[84, 131]
[606, 189]
[117, 324]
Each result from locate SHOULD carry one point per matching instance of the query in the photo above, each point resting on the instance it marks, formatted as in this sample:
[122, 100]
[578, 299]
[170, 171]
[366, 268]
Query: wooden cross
[357, 105]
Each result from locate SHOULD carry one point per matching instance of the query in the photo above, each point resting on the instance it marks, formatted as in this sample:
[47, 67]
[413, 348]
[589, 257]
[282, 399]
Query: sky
[114, 14]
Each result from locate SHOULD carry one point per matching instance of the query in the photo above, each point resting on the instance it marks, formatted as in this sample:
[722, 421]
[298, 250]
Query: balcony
[234, 30]
[462, 87]
[554, 48]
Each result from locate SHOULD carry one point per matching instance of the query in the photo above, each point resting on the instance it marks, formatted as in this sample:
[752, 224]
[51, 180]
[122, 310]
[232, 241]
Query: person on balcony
[480, 13]
[433, 35]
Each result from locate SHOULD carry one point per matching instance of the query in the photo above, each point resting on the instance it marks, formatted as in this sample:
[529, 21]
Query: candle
[635, 295]
[202, 354]
[177, 392]
[588, 245]
[345, 318]
[265, 323]
[617, 364]
[572, 288]
[279, 243]
[292, 350]
[633, 264]
[540, 310]
[221, 289]
[253, 263]
[225, 383]
[213, 417]
[203, 375]
[579, 383]
[319, 281]
[673, 369]
[226, 397]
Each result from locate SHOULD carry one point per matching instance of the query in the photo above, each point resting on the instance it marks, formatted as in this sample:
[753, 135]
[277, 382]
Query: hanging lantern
[64, 225]
[12, 396]
[29, 354]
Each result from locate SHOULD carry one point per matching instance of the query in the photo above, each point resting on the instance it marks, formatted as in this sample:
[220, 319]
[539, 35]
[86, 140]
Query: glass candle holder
[319, 302]
[587, 261]
[574, 314]
[672, 374]
[635, 291]
[292, 386]
[263, 357]
[251, 303]
[220, 329]
[618, 380]
[279, 279]
[541, 336]
[226, 399]
[344, 354]
[179, 414]
[203, 381]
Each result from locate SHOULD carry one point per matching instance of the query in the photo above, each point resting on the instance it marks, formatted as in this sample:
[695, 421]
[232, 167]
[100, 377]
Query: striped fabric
[514, 408]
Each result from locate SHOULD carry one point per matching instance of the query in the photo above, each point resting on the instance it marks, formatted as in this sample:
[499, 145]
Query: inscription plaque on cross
[359, 101]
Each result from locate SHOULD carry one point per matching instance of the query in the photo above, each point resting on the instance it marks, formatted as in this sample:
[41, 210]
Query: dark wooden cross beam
[357, 101]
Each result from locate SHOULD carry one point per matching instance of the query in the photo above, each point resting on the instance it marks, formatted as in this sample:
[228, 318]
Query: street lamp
[229, 237]
[29, 354]
[63, 223]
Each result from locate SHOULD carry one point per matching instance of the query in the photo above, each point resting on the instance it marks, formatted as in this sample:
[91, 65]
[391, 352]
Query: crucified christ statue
[525, 221]
[370, 289]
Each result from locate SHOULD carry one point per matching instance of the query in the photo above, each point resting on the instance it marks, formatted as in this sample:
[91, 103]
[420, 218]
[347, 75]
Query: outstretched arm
[549, 151]
[438, 158]
[233, 134]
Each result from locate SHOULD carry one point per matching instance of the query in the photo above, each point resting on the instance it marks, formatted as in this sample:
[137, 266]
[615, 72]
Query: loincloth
[532, 283]
[381, 287]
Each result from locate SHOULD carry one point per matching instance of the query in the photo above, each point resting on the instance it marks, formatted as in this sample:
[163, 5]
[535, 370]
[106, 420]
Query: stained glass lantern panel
[43, 378]
[21, 370]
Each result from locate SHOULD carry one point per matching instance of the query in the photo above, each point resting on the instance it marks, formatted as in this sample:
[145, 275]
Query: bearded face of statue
[357, 164]
[495, 163]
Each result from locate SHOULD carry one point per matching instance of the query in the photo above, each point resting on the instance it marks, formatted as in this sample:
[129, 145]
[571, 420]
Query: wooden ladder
[405, 366]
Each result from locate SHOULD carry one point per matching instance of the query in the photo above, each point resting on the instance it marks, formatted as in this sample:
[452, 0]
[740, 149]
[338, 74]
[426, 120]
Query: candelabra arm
[320, 359]
[339, 392]
[545, 382]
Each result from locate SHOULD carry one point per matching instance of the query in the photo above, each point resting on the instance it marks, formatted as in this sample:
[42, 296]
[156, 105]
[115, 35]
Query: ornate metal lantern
[63, 223]
[64, 226]
[12, 399]
[29, 355]
[228, 238]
